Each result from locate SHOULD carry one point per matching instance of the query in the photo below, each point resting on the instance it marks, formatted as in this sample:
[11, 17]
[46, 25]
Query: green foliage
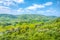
[30, 27]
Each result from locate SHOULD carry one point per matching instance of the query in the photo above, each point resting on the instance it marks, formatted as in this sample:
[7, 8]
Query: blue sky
[44, 7]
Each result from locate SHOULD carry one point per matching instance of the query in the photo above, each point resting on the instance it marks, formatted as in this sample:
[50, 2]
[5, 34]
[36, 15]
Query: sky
[44, 7]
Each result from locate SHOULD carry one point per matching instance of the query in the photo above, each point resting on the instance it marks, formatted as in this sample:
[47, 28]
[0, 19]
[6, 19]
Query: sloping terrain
[30, 27]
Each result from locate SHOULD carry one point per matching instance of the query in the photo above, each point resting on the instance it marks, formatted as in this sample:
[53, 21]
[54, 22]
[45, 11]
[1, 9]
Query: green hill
[30, 27]
[24, 17]
[6, 19]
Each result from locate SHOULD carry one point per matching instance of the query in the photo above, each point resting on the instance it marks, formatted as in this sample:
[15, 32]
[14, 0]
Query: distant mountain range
[24, 17]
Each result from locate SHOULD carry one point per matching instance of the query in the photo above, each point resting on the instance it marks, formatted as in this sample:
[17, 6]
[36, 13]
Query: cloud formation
[48, 3]
[21, 10]
[6, 7]
[36, 6]
[10, 2]
[19, 1]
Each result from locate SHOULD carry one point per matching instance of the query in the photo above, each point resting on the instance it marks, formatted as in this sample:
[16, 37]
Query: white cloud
[1, 1]
[51, 11]
[35, 6]
[8, 3]
[7, 10]
[48, 3]
[30, 9]
[20, 10]
[19, 1]
[4, 9]
[48, 12]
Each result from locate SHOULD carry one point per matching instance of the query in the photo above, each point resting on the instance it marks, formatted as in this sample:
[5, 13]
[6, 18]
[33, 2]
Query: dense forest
[29, 27]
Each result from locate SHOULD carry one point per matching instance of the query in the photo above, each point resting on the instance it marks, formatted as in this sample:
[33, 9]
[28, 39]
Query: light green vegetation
[29, 27]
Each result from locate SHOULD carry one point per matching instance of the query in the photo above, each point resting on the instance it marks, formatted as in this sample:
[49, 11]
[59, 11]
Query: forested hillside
[29, 27]
[6, 19]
